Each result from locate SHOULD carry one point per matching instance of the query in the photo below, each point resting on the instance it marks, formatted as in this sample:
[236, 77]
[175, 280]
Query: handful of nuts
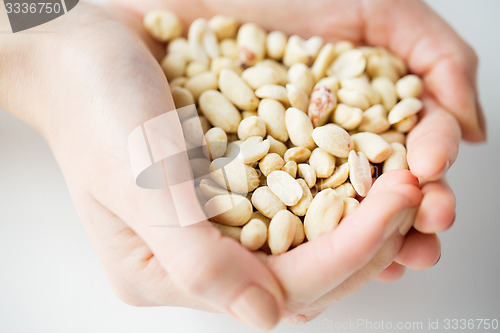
[294, 130]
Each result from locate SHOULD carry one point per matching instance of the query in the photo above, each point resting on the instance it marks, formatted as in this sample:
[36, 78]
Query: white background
[50, 279]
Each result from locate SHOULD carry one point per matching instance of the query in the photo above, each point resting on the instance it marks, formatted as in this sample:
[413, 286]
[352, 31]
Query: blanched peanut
[210, 189]
[277, 147]
[200, 83]
[273, 114]
[353, 98]
[173, 65]
[297, 154]
[373, 146]
[229, 209]
[196, 33]
[163, 25]
[324, 59]
[219, 111]
[406, 124]
[380, 62]
[407, 107]
[195, 67]
[271, 162]
[322, 162]
[397, 160]
[237, 91]
[247, 114]
[300, 208]
[347, 117]
[251, 126]
[375, 120]
[338, 177]
[233, 148]
[346, 190]
[253, 149]
[220, 63]
[350, 205]
[179, 46]
[182, 97]
[393, 136]
[300, 75]
[333, 139]
[324, 214]
[223, 26]
[331, 82]
[178, 82]
[276, 44]
[349, 64]
[307, 173]
[216, 140]
[233, 175]
[228, 48]
[210, 44]
[360, 173]
[409, 86]
[192, 129]
[273, 91]
[321, 105]
[260, 217]
[299, 236]
[258, 76]
[282, 231]
[290, 167]
[279, 68]
[268, 204]
[299, 128]
[387, 91]
[296, 52]
[284, 187]
[251, 42]
[343, 46]
[253, 235]
[228, 231]
[362, 85]
[297, 97]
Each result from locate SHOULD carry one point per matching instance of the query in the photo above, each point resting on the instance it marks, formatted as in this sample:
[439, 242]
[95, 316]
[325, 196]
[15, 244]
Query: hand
[432, 50]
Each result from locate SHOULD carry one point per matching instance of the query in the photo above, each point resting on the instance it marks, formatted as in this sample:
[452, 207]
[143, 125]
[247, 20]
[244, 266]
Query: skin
[108, 82]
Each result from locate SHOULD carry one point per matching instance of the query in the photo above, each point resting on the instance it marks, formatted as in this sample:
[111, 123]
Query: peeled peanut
[178, 82]
[219, 111]
[196, 32]
[193, 131]
[350, 205]
[258, 76]
[229, 209]
[297, 154]
[220, 63]
[280, 70]
[386, 90]
[233, 148]
[216, 140]
[348, 64]
[330, 82]
[210, 189]
[380, 62]
[362, 85]
[375, 120]
[276, 44]
[346, 190]
[324, 214]
[290, 167]
[334, 139]
[300, 208]
[277, 147]
[322, 162]
[223, 26]
[360, 173]
[397, 160]
[266, 202]
[353, 98]
[228, 48]
[273, 114]
[182, 97]
[282, 231]
[393, 136]
[179, 46]
[299, 128]
[372, 145]
[228, 231]
[253, 149]
[321, 105]
[338, 177]
[273, 91]
[297, 52]
[270, 163]
[253, 235]
[284, 187]
[409, 86]
[195, 67]
[299, 236]
[347, 117]
[237, 91]
[300, 75]
[200, 83]
[407, 107]
[163, 25]
[323, 60]
[251, 126]
[306, 172]
[297, 97]
[174, 65]
[406, 124]
[233, 175]
[260, 217]
[251, 42]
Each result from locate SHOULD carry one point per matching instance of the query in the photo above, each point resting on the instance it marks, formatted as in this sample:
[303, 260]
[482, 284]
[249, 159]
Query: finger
[392, 273]
[419, 250]
[437, 210]
[328, 260]
[434, 51]
[433, 143]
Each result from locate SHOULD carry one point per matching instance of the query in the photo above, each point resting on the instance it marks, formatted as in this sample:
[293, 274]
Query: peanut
[348, 64]
[321, 106]
[350, 205]
[374, 120]
[284, 187]
[237, 91]
[299, 128]
[216, 140]
[372, 145]
[273, 91]
[338, 177]
[347, 117]
[322, 162]
[223, 26]
[253, 149]
[219, 111]
[333, 139]
[281, 231]
[360, 174]
[163, 25]
[200, 83]
[297, 154]
[210, 189]
[273, 114]
[259, 76]
[277, 147]
[290, 167]
[300, 208]
[251, 42]
[234, 175]
[266, 202]
[409, 86]
[229, 209]
[407, 107]
[307, 173]
[324, 214]
[300, 75]
[253, 235]
[297, 97]
[251, 126]
[276, 44]
[271, 162]
[397, 160]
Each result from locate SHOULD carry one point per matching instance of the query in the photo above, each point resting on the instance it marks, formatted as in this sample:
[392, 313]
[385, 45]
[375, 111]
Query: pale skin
[108, 82]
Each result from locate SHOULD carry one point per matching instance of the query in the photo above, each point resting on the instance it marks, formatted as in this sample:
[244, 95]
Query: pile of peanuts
[294, 129]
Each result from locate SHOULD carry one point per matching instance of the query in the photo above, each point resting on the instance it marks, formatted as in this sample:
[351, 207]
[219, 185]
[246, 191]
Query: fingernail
[257, 308]
[402, 221]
